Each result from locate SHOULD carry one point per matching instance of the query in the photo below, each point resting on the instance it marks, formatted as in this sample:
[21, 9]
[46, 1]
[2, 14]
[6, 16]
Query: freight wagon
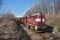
[35, 21]
[22, 20]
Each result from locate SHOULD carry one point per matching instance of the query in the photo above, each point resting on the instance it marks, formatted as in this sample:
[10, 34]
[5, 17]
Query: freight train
[35, 22]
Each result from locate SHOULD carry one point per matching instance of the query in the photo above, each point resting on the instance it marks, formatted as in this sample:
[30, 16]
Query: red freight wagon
[21, 20]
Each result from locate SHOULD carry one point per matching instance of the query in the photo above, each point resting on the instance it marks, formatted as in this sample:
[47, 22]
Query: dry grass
[7, 25]
[54, 20]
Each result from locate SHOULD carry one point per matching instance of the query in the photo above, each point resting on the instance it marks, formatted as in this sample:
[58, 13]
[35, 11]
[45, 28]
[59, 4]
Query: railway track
[38, 36]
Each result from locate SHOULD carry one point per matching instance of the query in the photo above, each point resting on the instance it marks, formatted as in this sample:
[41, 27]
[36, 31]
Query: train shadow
[49, 29]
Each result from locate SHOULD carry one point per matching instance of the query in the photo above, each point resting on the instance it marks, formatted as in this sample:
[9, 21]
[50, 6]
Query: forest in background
[44, 6]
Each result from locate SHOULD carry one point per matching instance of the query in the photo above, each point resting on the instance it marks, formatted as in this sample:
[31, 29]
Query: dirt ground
[40, 36]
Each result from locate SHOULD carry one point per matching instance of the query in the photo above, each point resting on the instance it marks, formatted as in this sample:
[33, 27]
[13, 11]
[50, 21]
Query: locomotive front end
[40, 20]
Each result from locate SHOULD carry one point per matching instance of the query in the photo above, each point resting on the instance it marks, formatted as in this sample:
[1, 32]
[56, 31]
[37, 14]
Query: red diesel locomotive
[35, 21]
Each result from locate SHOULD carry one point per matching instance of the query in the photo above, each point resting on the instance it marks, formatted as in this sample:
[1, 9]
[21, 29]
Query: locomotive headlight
[43, 19]
[37, 19]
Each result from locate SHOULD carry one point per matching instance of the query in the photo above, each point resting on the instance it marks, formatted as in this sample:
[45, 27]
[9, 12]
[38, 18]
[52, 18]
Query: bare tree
[38, 6]
[0, 3]
[57, 6]
[0, 7]
[5, 17]
[44, 6]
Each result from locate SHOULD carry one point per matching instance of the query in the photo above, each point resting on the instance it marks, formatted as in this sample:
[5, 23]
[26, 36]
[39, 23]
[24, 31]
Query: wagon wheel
[32, 27]
[28, 26]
